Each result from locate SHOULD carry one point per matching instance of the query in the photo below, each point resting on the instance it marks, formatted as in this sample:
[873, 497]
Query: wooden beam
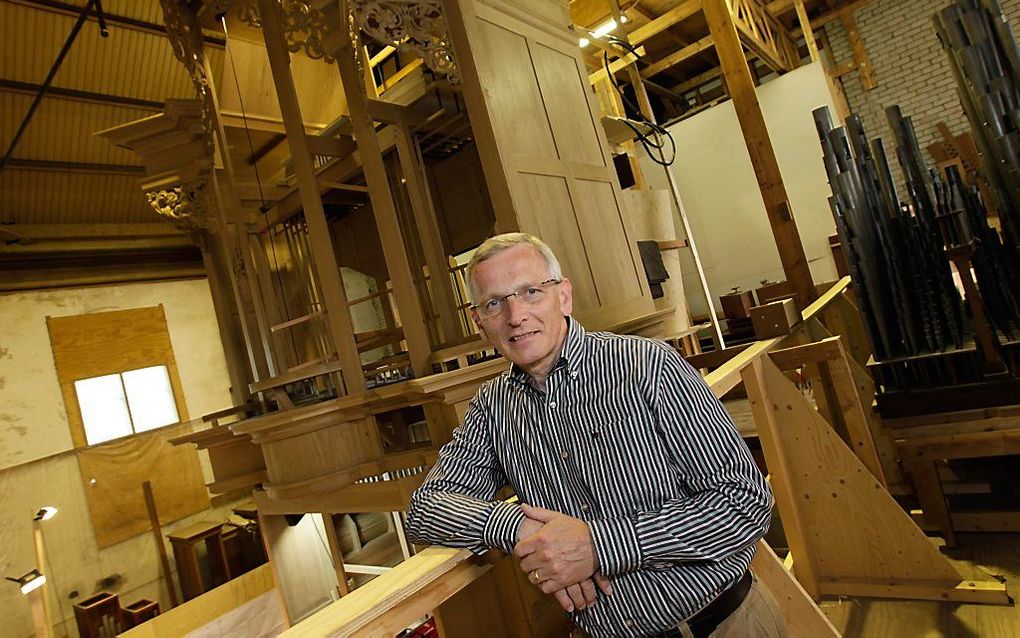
[639, 11]
[809, 33]
[382, 55]
[391, 113]
[677, 57]
[425, 221]
[740, 86]
[266, 148]
[861, 60]
[384, 210]
[39, 232]
[616, 66]
[330, 176]
[675, 15]
[334, 297]
[698, 80]
[835, 13]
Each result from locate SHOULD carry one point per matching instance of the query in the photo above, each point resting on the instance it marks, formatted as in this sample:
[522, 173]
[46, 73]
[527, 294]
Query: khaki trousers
[757, 617]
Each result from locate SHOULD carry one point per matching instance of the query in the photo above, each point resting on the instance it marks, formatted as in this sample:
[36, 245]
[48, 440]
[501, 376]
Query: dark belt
[703, 623]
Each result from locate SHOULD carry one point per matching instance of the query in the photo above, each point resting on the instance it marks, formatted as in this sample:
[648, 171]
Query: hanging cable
[263, 208]
[660, 137]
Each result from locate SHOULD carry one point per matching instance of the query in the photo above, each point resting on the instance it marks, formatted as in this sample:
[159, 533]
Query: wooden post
[411, 317]
[428, 229]
[336, 556]
[861, 60]
[242, 241]
[228, 202]
[226, 250]
[239, 377]
[46, 615]
[36, 601]
[646, 109]
[805, 27]
[334, 297]
[740, 86]
[150, 505]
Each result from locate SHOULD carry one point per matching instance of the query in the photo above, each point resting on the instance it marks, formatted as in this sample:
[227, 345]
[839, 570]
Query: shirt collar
[570, 357]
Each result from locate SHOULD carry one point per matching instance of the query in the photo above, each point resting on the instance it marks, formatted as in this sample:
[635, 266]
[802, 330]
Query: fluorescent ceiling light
[603, 29]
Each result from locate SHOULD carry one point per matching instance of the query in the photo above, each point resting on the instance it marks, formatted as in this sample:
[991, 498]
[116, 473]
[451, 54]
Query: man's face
[530, 336]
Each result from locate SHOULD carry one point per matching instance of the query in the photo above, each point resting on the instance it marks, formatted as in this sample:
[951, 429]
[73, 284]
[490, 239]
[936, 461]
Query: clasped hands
[557, 554]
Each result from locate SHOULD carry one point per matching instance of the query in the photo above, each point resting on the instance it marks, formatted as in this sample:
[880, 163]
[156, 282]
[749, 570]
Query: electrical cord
[656, 143]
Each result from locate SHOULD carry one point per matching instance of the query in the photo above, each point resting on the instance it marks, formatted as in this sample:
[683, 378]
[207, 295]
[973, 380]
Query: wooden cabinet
[201, 560]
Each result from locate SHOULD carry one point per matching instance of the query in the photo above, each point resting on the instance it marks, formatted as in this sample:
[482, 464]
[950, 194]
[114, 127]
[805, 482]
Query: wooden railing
[763, 34]
[422, 583]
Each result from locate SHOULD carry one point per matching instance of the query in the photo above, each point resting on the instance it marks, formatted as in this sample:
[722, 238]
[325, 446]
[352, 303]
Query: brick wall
[909, 65]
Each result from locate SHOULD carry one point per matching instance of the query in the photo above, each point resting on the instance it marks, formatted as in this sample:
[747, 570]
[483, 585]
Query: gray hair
[499, 243]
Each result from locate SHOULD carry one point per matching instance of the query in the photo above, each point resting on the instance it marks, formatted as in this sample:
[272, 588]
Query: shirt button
[629, 622]
[552, 404]
[564, 454]
[573, 375]
[585, 507]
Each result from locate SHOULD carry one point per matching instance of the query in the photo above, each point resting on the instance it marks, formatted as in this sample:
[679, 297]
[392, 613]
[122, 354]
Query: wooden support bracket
[849, 535]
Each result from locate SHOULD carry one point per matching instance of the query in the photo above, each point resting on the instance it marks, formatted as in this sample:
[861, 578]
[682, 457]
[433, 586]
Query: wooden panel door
[542, 146]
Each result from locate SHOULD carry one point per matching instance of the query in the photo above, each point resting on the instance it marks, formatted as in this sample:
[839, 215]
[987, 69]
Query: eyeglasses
[529, 295]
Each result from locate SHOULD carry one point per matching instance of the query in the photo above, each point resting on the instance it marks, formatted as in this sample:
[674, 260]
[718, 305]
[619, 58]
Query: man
[643, 505]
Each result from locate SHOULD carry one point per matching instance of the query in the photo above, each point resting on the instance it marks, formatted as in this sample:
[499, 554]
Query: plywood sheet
[301, 563]
[99, 343]
[113, 474]
[210, 606]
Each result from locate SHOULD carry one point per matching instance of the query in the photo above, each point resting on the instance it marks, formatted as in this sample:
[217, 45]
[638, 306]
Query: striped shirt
[627, 437]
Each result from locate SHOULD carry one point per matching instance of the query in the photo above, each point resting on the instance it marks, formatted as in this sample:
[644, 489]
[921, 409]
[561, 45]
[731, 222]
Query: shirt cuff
[500, 530]
[617, 550]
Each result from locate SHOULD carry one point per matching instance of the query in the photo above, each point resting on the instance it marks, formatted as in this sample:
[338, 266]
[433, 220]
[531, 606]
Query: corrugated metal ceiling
[134, 62]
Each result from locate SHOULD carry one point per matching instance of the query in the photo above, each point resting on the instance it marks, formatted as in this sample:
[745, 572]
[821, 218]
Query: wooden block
[773, 292]
[774, 319]
[737, 305]
[140, 611]
[97, 614]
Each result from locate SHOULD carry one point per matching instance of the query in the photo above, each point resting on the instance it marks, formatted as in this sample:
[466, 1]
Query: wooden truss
[847, 534]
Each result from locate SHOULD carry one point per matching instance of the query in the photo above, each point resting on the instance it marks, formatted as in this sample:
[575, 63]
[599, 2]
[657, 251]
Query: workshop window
[116, 405]
[117, 372]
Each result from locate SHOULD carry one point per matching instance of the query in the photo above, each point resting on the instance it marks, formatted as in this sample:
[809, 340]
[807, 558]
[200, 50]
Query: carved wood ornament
[409, 24]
